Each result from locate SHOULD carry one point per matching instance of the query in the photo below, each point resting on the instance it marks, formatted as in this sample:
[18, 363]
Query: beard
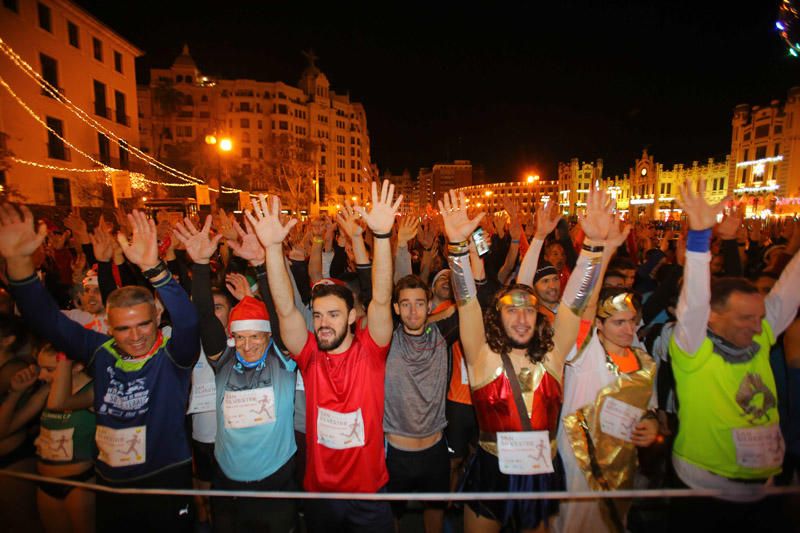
[332, 344]
[519, 345]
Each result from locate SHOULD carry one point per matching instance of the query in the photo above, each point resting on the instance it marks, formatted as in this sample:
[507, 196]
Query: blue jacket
[151, 392]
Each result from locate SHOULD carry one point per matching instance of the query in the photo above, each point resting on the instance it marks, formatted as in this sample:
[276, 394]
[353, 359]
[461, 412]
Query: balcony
[58, 151]
[60, 90]
[102, 111]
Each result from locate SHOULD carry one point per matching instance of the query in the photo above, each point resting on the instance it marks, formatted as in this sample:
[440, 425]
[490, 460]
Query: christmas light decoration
[787, 24]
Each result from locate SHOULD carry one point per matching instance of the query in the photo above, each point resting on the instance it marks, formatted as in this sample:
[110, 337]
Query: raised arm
[585, 277]
[380, 220]
[784, 298]
[547, 218]
[348, 222]
[406, 231]
[271, 232]
[61, 397]
[458, 227]
[617, 234]
[694, 303]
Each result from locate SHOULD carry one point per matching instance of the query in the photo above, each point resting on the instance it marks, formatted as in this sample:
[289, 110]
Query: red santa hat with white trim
[248, 315]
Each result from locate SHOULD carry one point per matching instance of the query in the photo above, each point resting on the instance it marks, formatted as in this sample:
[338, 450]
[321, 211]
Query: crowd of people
[370, 352]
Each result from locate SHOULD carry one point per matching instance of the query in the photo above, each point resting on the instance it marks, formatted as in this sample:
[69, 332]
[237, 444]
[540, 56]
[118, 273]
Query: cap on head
[249, 315]
[545, 269]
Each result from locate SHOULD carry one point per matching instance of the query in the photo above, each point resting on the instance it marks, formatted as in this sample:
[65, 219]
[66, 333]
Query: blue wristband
[698, 241]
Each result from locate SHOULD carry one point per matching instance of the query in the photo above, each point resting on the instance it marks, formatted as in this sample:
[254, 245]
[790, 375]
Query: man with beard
[547, 286]
[515, 366]
[414, 415]
[90, 312]
[343, 369]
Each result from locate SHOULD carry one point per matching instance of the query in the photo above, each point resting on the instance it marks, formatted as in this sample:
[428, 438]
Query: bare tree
[292, 167]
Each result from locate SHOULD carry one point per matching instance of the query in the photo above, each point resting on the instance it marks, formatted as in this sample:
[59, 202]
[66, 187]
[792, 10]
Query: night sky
[515, 89]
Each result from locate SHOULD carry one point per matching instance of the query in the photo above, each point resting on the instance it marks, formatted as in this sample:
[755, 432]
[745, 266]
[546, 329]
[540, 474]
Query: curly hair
[541, 342]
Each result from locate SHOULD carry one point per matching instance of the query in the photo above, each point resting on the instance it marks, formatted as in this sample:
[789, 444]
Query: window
[260, 124]
[244, 106]
[73, 35]
[11, 5]
[117, 61]
[260, 153]
[722, 184]
[49, 71]
[100, 106]
[744, 175]
[283, 125]
[244, 122]
[778, 129]
[282, 109]
[104, 149]
[119, 106]
[777, 151]
[762, 131]
[714, 187]
[45, 17]
[245, 151]
[55, 146]
[322, 160]
[124, 156]
[761, 152]
[183, 131]
[61, 192]
[746, 155]
[97, 48]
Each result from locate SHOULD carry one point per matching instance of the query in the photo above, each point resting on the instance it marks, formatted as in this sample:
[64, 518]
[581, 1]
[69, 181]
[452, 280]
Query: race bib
[121, 447]
[202, 398]
[618, 419]
[340, 431]
[248, 408]
[524, 452]
[55, 444]
[759, 447]
[464, 375]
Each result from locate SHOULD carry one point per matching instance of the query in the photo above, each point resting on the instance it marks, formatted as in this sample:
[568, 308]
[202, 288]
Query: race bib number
[55, 444]
[122, 447]
[248, 408]
[618, 419]
[340, 431]
[524, 452]
[203, 397]
[759, 447]
[464, 375]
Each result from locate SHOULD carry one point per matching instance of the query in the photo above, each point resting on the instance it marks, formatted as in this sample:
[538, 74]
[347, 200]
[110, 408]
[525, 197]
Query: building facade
[574, 180]
[435, 181]
[493, 196]
[307, 142]
[89, 64]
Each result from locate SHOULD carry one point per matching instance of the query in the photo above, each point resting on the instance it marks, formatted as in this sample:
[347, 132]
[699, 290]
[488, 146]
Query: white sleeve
[783, 300]
[694, 304]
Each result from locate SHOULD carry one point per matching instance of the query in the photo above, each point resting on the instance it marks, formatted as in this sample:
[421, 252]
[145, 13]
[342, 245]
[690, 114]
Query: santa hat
[248, 315]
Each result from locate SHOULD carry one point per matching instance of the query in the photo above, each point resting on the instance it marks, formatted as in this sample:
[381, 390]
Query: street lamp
[225, 144]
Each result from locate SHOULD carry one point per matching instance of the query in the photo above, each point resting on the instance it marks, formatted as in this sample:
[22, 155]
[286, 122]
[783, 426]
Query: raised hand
[199, 245]
[457, 225]
[407, 229]
[701, 214]
[348, 220]
[250, 248]
[238, 285]
[547, 218]
[77, 226]
[267, 222]
[142, 250]
[599, 217]
[102, 243]
[224, 224]
[729, 226]
[17, 235]
[380, 218]
[427, 235]
[24, 379]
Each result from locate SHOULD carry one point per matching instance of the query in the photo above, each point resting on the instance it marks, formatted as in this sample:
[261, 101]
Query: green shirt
[728, 412]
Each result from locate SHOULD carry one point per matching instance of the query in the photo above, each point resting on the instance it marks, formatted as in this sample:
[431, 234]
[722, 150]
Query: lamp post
[223, 144]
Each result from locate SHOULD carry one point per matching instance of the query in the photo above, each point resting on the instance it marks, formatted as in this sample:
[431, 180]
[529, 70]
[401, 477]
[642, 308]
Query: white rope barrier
[427, 496]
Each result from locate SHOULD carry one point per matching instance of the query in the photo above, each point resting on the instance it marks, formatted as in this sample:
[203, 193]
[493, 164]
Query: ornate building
[574, 181]
[279, 138]
[527, 193]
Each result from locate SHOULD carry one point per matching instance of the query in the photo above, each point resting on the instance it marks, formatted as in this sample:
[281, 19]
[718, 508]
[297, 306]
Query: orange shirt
[626, 362]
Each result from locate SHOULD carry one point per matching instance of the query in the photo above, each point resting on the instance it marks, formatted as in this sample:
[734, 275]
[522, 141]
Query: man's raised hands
[701, 214]
[18, 238]
[457, 224]
[267, 223]
[142, 249]
[199, 245]
[380, 218]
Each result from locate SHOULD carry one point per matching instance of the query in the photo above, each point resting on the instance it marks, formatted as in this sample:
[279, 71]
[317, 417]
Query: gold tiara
[619, 302]
[517, 299]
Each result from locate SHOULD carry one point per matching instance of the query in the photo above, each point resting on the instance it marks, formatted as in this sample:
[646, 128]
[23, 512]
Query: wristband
[457, 249]
[155, 271]
[593, 249]
[514, 241]
[381, 235]
[698, 241]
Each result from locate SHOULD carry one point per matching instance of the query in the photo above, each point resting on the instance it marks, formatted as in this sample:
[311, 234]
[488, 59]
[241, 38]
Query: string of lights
[29, 71]
[57, 168]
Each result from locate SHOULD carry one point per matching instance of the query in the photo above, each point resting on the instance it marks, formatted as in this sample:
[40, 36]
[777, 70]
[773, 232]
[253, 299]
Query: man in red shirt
[343, 366]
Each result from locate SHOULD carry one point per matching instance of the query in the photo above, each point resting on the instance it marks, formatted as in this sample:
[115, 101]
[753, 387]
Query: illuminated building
[89, 64]
[320, 132]
[574, 180]
[491, 196]
[435, 181]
